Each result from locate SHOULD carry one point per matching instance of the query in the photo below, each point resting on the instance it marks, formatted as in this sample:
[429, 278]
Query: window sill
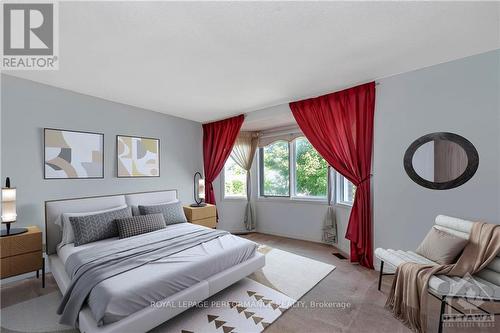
[344, 205]
[293, 200]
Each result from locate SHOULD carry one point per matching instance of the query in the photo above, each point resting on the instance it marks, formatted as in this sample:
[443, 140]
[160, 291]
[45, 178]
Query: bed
[144, 297]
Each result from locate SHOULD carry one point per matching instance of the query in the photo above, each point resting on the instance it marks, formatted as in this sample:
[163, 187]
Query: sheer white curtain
[330, 222]
[243, 154]
[287, 133]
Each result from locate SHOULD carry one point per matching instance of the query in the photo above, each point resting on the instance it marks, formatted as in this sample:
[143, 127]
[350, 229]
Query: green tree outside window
[311, 170]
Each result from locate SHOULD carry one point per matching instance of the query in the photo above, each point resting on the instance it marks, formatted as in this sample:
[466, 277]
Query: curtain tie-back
[365, 179]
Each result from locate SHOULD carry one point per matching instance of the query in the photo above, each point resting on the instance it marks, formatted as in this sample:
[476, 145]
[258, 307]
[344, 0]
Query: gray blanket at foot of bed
[89, 267]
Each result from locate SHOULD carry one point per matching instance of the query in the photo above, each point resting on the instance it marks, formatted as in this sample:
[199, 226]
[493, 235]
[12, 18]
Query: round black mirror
[441, 161]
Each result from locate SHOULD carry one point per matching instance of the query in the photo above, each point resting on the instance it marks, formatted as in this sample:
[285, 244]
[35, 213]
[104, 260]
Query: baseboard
[284, 234]
[244, 232]
[238, 231]
[336, 246]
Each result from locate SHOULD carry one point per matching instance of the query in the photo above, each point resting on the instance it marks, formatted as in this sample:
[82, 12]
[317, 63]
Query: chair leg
[381, 273]
[43, 273]
[441, 312]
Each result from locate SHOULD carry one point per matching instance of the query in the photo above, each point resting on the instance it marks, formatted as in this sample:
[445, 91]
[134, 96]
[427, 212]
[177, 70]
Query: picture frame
[137, 157]
[72, 154]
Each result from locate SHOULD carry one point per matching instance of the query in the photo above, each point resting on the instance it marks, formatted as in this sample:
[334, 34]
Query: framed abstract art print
[137, 156]
[73, 154]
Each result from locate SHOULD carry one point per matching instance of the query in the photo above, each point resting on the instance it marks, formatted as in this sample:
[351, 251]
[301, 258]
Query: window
[311, 171]
[345, 190]
[235, 180]
[275, 170]
[296, 170]
[292, 169]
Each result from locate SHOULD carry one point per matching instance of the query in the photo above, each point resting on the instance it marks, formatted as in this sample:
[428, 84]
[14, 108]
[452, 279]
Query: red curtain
[340, 127]
[218, 141]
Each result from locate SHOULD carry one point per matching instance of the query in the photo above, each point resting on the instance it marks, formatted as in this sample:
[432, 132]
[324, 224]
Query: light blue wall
[462, 97]
[28, 107]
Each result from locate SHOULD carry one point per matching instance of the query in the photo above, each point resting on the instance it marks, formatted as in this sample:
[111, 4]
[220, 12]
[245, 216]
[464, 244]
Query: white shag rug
[34, 315]
[246, 307]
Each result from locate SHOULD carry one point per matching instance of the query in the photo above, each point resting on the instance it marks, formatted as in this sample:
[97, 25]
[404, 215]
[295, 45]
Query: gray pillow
[91, 228]
[172, 212]
[141, 224]
[441, 247]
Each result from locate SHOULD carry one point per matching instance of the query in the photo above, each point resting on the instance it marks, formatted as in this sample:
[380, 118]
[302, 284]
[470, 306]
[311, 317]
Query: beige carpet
[250, 305]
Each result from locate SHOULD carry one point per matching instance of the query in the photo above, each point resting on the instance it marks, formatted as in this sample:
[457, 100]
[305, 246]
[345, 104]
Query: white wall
[459, 97]
[301, 220]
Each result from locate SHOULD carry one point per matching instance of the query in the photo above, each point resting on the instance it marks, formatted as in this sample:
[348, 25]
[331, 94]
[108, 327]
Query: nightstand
[205, 216]
[22, 253]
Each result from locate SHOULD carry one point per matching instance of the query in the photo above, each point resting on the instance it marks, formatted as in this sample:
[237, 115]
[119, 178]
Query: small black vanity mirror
[441, 161]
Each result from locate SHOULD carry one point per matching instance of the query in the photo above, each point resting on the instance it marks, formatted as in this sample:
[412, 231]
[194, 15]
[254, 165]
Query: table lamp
[199, 191]
[9, 214]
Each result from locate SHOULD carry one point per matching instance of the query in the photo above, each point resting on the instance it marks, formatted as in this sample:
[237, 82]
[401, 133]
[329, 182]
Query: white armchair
[485, 285]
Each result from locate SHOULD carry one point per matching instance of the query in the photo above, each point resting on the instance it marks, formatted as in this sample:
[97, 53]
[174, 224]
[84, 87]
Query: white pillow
[68, 235]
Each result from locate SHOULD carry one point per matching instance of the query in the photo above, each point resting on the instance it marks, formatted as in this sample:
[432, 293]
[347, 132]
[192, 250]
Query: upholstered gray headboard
[55, 208]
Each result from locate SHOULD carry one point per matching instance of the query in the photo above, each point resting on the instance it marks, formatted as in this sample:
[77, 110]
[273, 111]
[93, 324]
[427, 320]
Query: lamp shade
[9, 205]
[201, 188]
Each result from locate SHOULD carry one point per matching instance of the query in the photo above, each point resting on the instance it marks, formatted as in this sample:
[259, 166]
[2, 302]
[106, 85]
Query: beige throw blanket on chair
[407, 299]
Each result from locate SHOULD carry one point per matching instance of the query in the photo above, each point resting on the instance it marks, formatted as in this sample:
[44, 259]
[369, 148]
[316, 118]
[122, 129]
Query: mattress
[134, 290]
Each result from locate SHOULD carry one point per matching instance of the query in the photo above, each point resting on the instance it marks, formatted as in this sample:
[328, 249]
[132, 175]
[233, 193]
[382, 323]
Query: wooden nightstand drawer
[210, 222]
[23, 243]
[199, 213]
[22, 253]
[23, 263]
[205, 216]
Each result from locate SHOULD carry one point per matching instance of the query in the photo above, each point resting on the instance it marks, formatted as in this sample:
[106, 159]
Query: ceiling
[207, 61]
